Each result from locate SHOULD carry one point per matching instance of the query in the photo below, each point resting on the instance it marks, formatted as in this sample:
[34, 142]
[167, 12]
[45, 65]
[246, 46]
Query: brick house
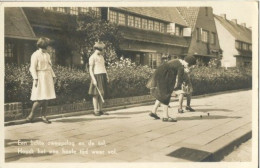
[19, 36]
[235, 40]
[204, 42]
[151, 34]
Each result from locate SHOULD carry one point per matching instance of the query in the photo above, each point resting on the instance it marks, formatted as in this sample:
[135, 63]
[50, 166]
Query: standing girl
[99, 78]
[43, 79]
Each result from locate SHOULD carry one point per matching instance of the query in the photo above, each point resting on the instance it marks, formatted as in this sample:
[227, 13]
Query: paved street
[241, 154]
[130, 135]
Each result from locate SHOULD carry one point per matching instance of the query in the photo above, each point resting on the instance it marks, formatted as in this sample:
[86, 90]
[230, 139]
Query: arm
[91, 70]
[180, 77]
[49, 59]
[33, 68]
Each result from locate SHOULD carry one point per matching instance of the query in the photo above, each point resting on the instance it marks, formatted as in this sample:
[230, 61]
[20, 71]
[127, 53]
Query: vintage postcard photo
[97, 83]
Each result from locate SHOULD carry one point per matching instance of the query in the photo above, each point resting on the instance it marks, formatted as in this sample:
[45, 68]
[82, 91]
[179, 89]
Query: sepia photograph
[134, 83]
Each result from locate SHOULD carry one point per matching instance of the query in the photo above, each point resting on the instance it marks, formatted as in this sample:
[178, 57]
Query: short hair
[43, 42]
[191, 60]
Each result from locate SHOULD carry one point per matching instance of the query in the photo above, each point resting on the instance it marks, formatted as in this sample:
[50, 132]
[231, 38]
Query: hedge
[126, 79]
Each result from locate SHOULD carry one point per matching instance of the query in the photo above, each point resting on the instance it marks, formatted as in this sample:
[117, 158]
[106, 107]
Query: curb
[173, 99]
[227, 149]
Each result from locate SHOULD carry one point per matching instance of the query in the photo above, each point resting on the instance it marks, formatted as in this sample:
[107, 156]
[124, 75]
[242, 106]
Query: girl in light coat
[43, 79]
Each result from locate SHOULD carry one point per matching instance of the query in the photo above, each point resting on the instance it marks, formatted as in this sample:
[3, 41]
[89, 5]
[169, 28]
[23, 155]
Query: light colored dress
[41, 69]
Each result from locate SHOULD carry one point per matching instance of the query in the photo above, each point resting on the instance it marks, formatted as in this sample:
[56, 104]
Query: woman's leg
[95, 103]
[100, 104]
[155, 107]
[44, 108]
[36, 104]
[188, 107]
[165, 111]
[44, 111]
[181, 96]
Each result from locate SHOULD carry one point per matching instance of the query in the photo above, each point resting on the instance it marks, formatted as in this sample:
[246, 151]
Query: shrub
[126, 79]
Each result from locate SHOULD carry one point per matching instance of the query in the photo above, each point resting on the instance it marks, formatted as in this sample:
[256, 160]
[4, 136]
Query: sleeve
[49, 59]
[91, 61]
[33, 66]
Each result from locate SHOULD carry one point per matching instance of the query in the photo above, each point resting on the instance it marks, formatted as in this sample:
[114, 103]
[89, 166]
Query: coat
[163, 80]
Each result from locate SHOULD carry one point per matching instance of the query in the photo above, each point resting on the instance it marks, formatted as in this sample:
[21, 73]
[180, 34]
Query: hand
[36, 82]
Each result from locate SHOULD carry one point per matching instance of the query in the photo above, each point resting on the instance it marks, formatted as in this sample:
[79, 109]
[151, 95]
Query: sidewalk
[130, 135]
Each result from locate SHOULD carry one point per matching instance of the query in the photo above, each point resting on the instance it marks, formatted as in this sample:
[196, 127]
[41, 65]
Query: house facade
[235, 41]
[151, 34]
[204, 42]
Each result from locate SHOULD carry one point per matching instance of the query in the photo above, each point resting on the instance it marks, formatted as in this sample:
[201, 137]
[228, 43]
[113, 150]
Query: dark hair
[191, 60]
[98, 48]
[43, 42]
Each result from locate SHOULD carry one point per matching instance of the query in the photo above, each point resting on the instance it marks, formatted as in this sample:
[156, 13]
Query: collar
[185, 65]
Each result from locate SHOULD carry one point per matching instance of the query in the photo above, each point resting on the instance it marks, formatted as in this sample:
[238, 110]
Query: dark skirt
[101, 84]
[162, 83]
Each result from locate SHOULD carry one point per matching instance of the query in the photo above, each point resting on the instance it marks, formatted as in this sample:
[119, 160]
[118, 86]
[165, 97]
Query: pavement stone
[130, 135]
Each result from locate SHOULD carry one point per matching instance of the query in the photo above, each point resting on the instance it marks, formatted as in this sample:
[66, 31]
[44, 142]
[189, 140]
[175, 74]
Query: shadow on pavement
[88, 119]
[13, 156]
[209, 110]
[205, 117]
[130, 113]
[10, 142]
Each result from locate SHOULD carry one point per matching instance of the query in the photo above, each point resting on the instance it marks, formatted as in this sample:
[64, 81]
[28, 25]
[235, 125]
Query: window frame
[113, 16]
[137, 24]
[120, 20]
[203, 33]
[130, 22]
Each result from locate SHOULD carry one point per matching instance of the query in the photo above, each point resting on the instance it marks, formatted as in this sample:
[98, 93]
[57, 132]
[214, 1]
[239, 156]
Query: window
[144, 24]
[206, 11]
[9, 50]
[171, 28]
[238, 45]
[150, 25]
[74, 11]
[84, 10]
[60, 9]
[49, 8]
[156, 26]
[152, 60]
[250, 47]
[245, 46]
[198, 34]
[113, 16]
[213, 38]
[177, 31]
[162, 27]
[131, 21]
[205, 36]
[121, 18]
[97, 11]
[137, 22]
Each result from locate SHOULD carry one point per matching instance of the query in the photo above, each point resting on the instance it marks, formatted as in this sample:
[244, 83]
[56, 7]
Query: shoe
[169, 119]
[155, 116]
[96, 114]
[45, 120]
[28, 119]
[180, 111]
[103, 113]
[190, 109]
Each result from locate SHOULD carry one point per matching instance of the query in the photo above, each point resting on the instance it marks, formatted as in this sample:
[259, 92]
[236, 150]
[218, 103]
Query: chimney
[224, 16]
[243, 24]
[234, 21]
